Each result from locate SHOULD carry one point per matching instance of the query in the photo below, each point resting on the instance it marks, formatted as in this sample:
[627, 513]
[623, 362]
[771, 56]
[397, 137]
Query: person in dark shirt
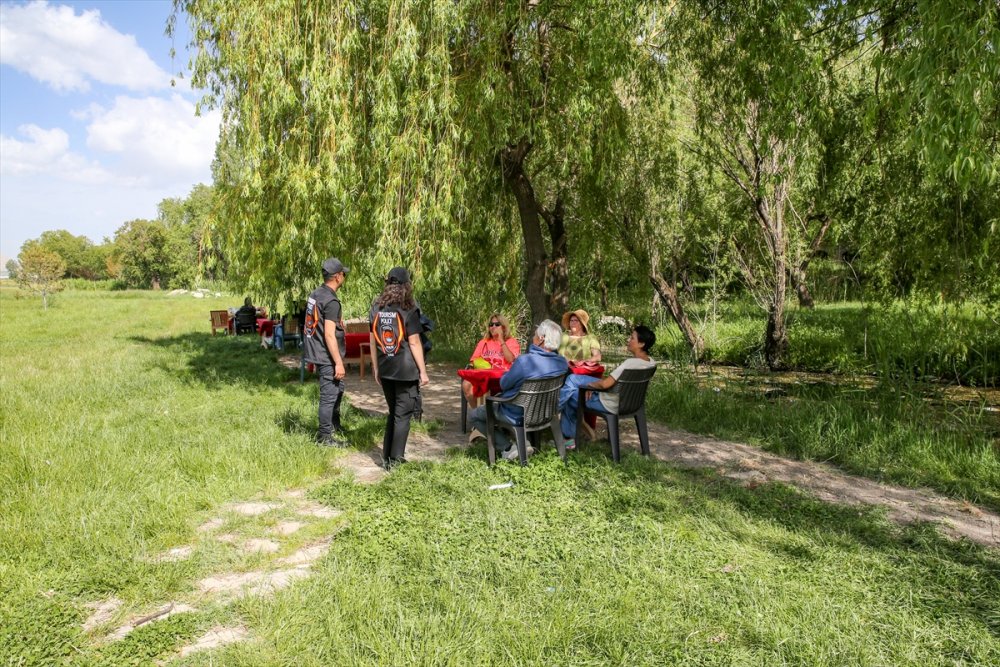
[325, 347]
[397, 360]
[245, 319]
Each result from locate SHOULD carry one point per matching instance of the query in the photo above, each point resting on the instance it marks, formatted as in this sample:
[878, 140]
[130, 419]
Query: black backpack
[428, 325]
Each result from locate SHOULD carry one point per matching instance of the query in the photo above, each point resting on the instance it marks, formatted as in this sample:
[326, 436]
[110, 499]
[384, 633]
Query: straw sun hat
[581, 315]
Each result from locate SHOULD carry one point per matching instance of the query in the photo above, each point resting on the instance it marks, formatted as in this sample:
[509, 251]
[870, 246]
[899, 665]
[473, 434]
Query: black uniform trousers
[402, 398]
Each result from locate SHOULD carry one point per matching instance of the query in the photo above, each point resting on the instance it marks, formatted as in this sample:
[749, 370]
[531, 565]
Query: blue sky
[93, 133]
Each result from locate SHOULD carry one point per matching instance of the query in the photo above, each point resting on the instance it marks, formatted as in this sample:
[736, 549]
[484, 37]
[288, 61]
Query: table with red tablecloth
[357, 349]
[487, 381]
[483, 380]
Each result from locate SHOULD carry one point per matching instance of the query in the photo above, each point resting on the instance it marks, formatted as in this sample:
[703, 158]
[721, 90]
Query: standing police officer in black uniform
[325, 347]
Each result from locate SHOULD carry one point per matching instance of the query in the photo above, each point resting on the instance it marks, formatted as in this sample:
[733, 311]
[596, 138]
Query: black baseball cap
[398, 276]
[333, 266]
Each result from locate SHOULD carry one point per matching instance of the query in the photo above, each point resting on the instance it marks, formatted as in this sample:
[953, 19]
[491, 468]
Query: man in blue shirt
[540, 361]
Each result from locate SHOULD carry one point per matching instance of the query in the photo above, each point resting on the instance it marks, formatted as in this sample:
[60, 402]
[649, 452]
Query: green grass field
[904, 340]
[124, 425]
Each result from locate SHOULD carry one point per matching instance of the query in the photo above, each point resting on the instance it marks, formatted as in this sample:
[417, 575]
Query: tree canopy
[453, 135]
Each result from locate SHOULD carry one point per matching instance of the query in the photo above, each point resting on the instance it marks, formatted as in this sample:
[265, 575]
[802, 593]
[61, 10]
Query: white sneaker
[512, 455]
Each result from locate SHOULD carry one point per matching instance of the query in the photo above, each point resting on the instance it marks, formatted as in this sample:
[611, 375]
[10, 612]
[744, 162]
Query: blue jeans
[478, 420]
[569, 398]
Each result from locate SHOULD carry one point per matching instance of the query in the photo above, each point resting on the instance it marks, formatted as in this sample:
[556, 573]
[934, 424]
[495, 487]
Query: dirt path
[732, 459]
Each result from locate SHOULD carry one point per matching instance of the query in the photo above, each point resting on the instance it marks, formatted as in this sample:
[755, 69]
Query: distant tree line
[175, 250]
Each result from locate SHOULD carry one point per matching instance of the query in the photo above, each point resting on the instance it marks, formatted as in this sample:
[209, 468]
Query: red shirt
[491, 351]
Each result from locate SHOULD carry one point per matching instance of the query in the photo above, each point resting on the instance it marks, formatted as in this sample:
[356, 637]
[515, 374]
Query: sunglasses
[495, 324]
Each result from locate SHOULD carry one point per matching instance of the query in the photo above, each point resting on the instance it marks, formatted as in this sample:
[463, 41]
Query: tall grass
[904, 340]
[882, 431]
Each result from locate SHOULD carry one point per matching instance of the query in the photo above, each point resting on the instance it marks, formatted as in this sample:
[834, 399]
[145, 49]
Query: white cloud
[147, 142]
[47, 152]
[161, 139]
[67, 51]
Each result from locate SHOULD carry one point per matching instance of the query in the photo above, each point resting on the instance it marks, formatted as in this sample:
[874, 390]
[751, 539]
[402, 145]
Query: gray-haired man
[540, 361]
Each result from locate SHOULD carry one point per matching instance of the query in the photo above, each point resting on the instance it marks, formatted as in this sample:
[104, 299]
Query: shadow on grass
[942, 577]
[213, 361]
[810, 526]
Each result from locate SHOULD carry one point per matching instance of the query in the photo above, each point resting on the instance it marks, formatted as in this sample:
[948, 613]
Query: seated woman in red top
[497, 347]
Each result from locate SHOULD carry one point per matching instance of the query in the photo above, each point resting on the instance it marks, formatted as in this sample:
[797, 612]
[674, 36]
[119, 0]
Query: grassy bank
[892, 432]
[902, 341]
[124, 425]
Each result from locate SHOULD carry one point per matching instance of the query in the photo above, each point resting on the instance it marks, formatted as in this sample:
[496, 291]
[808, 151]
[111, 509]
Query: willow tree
[759, 84]
[926, 206]
[383, 130]
[338, 136]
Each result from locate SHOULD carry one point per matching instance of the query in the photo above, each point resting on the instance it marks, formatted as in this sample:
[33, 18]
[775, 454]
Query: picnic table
[487, 381]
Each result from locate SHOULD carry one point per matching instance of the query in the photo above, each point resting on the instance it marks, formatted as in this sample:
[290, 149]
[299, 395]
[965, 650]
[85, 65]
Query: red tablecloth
[487, 381]
[265, 327]
[352, 342]
[596, 371]
[483, 381]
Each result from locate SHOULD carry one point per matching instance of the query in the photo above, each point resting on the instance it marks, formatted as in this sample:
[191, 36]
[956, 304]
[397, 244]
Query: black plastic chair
[244, 323]
[540, 401]
[631, 388]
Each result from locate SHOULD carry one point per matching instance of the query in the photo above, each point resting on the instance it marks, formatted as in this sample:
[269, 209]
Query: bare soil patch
[307, 555]
[212, 524]
[286, 528]
[252, 508]
[102, 612]
[162, 612]
[258, 582]
[214, 638]
[316, 510]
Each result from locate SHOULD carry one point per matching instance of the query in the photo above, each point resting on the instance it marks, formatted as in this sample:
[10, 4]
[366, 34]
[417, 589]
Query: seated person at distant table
[496, 347]
[247, 309]
[245, 319]
[640, 343]
[578, 345]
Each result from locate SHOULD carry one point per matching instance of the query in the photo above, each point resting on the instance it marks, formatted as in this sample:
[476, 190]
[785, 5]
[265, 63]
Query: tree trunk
[530, 213]
[798, 270]
[667, 291]
[798, 275]
[602, 284]
[559, 264]
[775, 333]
